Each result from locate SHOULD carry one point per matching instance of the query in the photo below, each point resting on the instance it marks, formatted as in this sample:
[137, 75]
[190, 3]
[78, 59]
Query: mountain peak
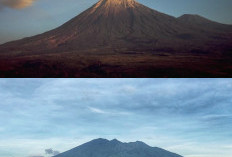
[100, 140]
[114, 5]
[105, 148]
[140, 142]
[115, 141]
[127, 3]
[192, 17]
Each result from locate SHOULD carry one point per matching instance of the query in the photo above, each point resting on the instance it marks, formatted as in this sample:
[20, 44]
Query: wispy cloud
[96, 110]
[16, 4]
[108, 112]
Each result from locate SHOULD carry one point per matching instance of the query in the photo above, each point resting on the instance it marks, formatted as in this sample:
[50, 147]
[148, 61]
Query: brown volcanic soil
[118, 64]
[122, 38]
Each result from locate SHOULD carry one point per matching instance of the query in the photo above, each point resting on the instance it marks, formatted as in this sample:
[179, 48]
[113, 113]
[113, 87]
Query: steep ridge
[117, 24]
[115, 148]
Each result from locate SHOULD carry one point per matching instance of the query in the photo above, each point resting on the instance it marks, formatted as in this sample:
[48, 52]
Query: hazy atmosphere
[42, 117]
[23, 18]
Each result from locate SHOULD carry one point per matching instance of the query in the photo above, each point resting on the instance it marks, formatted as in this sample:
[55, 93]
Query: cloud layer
[16, 4]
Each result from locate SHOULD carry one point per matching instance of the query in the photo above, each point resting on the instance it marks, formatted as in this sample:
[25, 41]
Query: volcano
[114, 148]
[123, 38]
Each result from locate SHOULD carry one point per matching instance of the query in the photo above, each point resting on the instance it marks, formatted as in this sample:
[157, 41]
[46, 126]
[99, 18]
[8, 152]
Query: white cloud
[96, 110]
[113, 113]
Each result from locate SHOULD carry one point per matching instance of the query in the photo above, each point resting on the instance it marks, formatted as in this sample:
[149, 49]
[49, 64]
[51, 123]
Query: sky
[42, 117]
[24, 18]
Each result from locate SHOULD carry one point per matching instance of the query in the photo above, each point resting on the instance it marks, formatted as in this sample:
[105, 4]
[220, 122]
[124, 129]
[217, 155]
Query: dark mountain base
[121, 63]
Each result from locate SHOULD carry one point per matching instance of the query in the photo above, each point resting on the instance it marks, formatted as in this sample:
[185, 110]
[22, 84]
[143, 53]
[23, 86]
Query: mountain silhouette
[118, 28]
[114, 148]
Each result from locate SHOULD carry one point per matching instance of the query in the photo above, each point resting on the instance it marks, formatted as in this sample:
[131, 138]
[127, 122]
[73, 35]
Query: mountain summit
[115, 4]
[116, 38]
[115, 148]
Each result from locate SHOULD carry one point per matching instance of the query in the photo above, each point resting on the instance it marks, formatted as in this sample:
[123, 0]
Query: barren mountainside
[123, 38]
[124, 23]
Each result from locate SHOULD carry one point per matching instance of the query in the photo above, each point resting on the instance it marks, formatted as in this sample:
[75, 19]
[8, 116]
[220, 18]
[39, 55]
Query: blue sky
[23, 18]
[191, 117]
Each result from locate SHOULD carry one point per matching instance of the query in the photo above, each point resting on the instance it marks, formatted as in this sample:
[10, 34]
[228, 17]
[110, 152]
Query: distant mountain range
[116, 38]
[114, 148]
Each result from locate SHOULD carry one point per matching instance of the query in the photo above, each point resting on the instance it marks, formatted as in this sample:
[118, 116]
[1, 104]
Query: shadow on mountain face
[122, 38]
[115, 148]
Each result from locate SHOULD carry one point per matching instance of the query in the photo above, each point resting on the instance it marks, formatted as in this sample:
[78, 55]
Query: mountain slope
[115, 24]
[109, 22]
[115, 148]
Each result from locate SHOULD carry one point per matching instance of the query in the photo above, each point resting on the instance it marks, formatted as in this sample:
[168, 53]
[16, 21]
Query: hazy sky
[191, 117]
[22, 18]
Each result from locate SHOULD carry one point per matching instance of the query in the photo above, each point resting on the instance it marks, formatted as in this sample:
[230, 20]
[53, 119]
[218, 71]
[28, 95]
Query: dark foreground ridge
[114, 148]
[123, 38]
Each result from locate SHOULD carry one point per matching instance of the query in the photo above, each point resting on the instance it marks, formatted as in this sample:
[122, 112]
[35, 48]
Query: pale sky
[191, 117]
